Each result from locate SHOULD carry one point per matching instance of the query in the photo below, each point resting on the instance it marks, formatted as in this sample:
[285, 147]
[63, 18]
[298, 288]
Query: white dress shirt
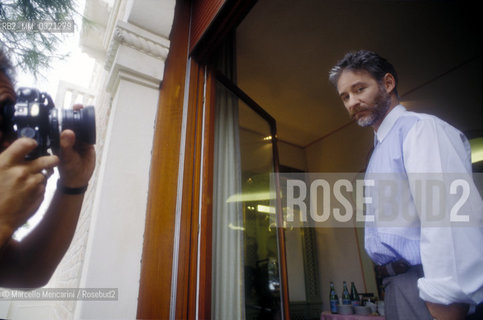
[420, 154]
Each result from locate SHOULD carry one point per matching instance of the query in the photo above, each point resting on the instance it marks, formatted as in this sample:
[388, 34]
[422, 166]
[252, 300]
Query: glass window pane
[246, 282]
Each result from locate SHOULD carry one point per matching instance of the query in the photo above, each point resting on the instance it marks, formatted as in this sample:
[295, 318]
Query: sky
[76, 68]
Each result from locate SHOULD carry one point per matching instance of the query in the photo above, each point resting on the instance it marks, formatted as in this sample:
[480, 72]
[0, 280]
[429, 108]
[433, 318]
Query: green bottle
[346, 297]
[354, 295]
[333, 298]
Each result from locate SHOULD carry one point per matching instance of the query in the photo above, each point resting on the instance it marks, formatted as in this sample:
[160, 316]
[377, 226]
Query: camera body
[34, 116]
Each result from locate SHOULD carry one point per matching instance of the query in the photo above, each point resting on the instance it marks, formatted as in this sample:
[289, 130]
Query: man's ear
[389, 82]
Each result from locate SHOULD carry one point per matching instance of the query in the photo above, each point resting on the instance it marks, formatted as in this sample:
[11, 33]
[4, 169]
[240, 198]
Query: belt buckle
[392, 269]
[397, 267]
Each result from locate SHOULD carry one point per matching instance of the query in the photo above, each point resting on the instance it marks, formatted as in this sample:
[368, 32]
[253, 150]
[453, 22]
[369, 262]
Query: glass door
[249, 268]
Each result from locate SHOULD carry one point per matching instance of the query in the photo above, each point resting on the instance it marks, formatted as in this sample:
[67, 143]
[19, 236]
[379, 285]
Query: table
[329, 316]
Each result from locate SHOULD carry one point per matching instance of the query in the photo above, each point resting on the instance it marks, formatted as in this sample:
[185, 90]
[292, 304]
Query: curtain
[228, 296]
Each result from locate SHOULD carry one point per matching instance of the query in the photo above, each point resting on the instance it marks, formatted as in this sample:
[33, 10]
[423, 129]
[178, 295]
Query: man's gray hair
[6, 66]
[366, 60]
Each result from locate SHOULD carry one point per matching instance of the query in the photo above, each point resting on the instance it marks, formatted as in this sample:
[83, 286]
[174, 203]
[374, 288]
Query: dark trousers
[401, 297]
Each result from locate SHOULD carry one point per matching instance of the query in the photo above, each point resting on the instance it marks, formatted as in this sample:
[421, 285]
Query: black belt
[394, 268]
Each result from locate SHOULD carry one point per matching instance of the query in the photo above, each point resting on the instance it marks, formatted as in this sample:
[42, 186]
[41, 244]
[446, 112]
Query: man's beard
[382, 102]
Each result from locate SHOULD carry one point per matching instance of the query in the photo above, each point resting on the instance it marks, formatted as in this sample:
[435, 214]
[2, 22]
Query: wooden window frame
[185, 227]
[154, 299]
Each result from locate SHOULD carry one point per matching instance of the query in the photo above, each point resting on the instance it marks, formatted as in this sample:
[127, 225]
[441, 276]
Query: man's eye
[360, 89]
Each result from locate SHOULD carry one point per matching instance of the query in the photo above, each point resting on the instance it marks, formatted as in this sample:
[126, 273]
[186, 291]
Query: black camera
[35, 116]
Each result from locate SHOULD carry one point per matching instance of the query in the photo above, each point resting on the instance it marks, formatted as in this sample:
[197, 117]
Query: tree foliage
[33, 51]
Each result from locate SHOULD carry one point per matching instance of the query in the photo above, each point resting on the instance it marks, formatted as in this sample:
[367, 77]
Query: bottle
[333, 298]
[354, 295]
[346, 298]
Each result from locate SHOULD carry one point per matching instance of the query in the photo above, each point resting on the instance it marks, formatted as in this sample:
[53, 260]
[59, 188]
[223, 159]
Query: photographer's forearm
[5, 235]
[455, 311]
[40, 252]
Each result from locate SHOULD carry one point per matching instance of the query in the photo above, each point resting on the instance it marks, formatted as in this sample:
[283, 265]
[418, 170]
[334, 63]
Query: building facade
[199, 105]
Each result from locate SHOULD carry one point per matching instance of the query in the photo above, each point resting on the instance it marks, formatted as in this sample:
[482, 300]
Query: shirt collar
[388, 123]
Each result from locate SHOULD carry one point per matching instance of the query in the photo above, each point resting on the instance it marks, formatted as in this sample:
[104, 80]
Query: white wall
[294, 157]
[340, 251]
[135, 60]
[114, 251]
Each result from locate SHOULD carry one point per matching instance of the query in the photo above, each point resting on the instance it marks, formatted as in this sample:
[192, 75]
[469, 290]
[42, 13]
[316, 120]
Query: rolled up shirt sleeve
[451, 253]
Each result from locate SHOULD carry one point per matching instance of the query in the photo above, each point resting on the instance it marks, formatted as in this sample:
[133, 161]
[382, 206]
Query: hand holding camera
[22, 185]
[70, 134]
[77, 156]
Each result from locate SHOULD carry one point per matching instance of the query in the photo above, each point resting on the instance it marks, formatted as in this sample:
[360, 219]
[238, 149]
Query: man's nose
[351, 103]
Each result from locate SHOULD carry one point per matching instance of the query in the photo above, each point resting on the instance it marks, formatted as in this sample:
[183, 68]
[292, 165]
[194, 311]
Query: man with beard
[31, 262]
[428, 272]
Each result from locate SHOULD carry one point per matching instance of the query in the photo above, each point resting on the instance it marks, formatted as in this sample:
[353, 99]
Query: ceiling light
[476, 150]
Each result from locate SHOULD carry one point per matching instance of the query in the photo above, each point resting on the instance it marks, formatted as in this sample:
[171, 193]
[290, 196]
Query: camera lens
[82, 122]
